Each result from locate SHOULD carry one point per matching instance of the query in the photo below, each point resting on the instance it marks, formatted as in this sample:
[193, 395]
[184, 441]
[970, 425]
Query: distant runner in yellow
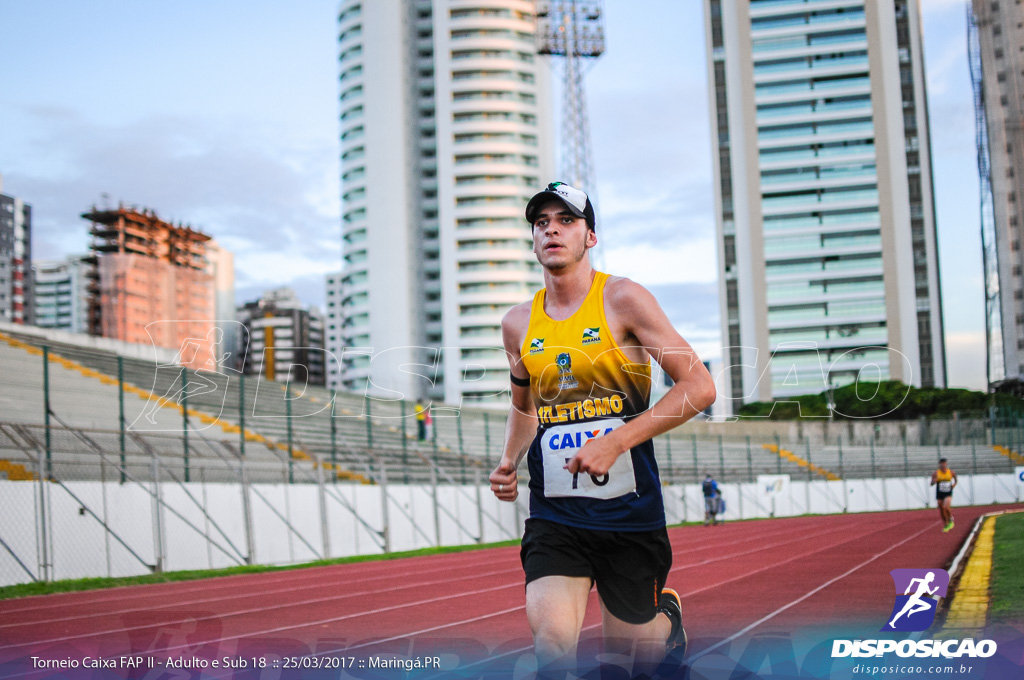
[945, 479]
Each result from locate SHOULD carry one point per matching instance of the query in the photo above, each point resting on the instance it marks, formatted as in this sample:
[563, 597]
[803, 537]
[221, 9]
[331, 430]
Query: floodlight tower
[573, 29]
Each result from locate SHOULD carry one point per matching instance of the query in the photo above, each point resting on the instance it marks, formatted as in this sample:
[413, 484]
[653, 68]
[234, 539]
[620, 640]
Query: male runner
[944, 480]
[580, 362]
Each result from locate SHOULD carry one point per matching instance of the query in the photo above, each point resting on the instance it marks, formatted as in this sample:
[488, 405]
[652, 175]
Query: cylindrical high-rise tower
[445, 133]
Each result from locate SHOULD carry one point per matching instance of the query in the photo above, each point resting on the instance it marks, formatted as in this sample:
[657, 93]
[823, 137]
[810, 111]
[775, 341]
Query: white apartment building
[221, 265]
[446, 133]
[62, 293]
[825, 213]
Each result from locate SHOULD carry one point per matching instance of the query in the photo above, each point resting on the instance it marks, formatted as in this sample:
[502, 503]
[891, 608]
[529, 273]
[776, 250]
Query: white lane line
[477, 618]
[406, 604]
[248, 594]
[246, 581]
[254, 610]
[236, 581]
[717, 583]
[800, 599]
[447, 597]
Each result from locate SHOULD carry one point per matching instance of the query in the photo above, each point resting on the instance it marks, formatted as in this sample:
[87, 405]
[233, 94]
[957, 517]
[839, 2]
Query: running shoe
[946, 528]
[671, 606]
[950, 525]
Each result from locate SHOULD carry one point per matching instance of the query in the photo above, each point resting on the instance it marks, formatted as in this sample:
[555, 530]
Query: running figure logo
[914, 610]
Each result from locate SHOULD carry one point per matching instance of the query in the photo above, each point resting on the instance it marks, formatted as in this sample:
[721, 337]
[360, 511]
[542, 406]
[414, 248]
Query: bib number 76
[600, 481]
[560, 443]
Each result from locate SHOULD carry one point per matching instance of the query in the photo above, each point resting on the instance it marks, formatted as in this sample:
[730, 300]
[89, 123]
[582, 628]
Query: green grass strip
[1007, 582]
[72, 585]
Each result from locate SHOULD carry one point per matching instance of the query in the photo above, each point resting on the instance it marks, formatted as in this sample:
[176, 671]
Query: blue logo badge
[917, 594]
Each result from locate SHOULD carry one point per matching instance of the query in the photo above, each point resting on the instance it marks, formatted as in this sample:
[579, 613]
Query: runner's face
[560, 239]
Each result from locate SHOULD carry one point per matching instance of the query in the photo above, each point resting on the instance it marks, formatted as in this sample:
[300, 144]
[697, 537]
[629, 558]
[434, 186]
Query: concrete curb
[972, 569]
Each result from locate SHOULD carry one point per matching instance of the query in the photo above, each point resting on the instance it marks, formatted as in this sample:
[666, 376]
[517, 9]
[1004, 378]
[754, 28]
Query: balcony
[784, 7]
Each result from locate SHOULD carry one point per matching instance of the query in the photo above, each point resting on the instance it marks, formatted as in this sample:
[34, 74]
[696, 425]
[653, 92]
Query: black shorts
[629, 567]
[939, 495]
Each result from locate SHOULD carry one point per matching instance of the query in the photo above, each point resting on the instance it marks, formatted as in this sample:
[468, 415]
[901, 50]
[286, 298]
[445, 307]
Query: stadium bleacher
[366, 441]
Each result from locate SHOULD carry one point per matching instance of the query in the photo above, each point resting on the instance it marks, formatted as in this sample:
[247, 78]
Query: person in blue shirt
[712, 499]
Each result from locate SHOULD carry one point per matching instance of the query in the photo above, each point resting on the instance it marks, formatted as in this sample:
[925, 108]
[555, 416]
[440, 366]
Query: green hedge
[889, 400]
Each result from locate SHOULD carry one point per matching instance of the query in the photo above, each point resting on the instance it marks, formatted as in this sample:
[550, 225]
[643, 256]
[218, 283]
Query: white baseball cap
[576, 200]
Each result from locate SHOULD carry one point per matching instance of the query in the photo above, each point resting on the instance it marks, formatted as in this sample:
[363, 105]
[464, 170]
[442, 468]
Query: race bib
[946, 487]
[560, 443]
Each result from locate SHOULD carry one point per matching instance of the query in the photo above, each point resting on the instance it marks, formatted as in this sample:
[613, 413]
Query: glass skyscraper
[825, 215]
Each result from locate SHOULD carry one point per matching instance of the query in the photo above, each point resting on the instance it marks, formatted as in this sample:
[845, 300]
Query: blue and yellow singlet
[584, 387]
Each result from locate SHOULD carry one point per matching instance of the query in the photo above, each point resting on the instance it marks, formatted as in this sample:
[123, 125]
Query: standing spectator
[712, 499]
[421, 420]
[428, 421]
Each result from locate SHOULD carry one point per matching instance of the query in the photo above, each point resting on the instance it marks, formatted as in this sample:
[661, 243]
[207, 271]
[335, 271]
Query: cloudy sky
[224, 115]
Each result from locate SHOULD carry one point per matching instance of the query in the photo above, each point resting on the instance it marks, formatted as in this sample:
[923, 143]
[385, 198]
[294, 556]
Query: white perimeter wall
[355, 518]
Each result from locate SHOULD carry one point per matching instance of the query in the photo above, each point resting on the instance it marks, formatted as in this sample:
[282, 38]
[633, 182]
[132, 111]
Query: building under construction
[151, 283]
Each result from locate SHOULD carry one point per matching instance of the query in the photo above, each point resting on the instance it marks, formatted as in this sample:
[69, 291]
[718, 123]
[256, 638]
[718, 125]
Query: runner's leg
[644, 643]
[555, 607]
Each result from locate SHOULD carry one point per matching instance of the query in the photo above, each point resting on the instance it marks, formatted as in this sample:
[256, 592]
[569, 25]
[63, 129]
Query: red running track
[754, 577]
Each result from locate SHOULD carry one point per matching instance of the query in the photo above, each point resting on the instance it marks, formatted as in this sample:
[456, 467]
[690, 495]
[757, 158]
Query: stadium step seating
[159, 404]
[1015, 457]
[15, 472]
[801, 462]
[360, 439]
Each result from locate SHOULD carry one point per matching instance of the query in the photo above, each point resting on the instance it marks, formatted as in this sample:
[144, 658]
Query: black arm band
[518, 382]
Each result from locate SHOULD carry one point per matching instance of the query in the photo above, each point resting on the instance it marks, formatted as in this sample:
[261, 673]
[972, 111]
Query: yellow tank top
[944, 480]
[577, 371]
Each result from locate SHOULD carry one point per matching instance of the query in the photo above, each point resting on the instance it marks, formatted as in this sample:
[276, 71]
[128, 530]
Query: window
[349, 13]
[350, 33]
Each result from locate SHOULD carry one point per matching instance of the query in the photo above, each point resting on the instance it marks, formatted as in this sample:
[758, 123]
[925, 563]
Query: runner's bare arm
[522, 418]
[637, 313]
[935, 478]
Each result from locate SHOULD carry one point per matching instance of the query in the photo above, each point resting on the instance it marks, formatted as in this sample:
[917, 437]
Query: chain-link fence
[243, 470]
[78, 507]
